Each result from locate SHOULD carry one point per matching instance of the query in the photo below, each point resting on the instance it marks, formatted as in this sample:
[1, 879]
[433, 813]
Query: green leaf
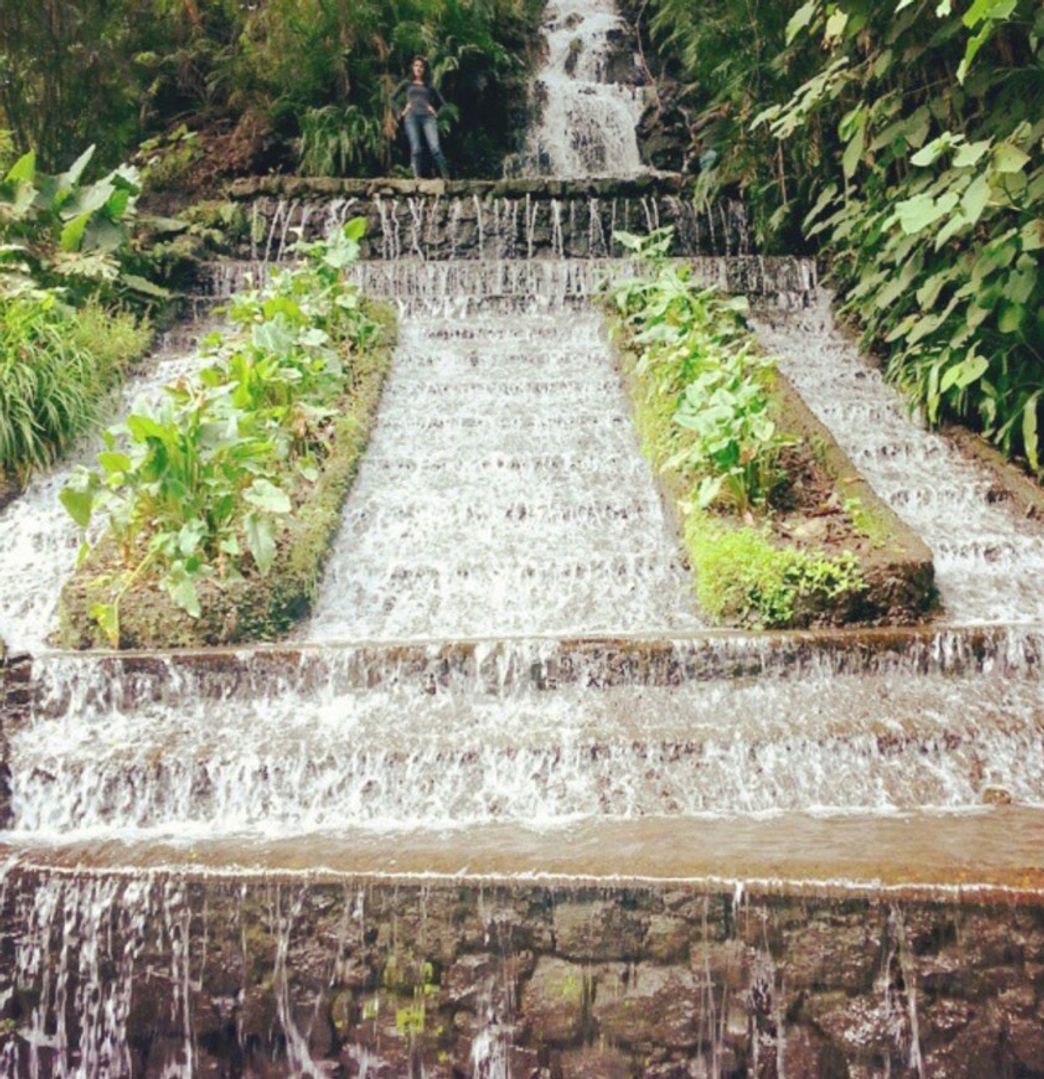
[987, 9]
[970, 153]
[922, 210]
[107, 617]
[260, 537]
[853, 153]
[266, 496]
[72, 234]
[71, 177]
[974, 200]
[24, 169]
[800, 19]
[145, 287]
[835, 25]
[78, 503]
[1010, 317]
[929, 153]
[1032, 235]
[709, 489]
[114, 462]
[145, 427]
[182, 591]
[1009, 158]
[355, 229]
[1029, 431]
[965, 373]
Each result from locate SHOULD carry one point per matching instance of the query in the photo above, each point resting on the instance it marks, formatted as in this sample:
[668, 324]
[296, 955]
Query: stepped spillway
[527, 504]
[989, 559]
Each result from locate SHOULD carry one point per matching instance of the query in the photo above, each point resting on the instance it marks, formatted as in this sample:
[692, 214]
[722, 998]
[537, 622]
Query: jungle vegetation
[901, 140]
[218, 86]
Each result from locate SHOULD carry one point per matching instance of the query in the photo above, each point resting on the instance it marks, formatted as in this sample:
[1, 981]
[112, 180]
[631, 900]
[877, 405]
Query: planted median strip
[220, 501]
[778, 527]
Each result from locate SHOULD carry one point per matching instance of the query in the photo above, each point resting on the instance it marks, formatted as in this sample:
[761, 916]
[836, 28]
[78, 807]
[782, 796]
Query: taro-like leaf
[355, 229]
[78, 502]
[266, 496]
[260, 537]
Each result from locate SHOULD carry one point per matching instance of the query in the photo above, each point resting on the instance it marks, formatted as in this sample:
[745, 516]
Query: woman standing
[422, 104]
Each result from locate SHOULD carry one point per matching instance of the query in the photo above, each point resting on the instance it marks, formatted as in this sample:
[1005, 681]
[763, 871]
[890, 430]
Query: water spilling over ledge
[174, 972]
[477, 219]
[435, 736]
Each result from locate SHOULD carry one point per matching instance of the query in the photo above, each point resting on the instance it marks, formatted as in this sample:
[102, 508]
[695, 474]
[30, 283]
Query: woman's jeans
[421, 129]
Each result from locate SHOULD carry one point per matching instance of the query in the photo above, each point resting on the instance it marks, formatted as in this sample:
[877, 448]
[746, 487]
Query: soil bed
[825, 509]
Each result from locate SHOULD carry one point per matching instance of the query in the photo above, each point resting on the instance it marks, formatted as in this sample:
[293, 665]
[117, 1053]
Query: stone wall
[15, 703]
[271, 978]
[512, 219]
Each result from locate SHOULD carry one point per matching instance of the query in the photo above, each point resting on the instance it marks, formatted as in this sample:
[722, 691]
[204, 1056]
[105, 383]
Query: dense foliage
[296, 83]
[56, 366]
[64, 260]
[62, 232]
[703, 368]
[200, 485]
[707, 413]
[904, 136]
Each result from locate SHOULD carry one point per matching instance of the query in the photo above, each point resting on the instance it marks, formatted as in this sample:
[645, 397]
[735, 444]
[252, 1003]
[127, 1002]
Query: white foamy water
[587, 124]
[989, 560]
[39, 540]
[503, 493]
[400, 747]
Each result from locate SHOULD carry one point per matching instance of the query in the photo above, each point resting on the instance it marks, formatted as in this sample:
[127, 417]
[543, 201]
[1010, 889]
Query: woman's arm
[435, 99]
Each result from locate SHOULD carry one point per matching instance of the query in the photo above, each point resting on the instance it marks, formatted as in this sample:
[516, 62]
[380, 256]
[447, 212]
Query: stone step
[989, 855]
[434, 747]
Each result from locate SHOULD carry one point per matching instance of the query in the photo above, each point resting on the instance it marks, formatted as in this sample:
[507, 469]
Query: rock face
[15, 696]
[136, 975]
[505, 219]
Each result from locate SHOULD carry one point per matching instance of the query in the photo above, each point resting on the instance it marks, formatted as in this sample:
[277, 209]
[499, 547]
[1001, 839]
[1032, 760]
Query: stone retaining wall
[15, 704]
[269, 977]
[514, 219]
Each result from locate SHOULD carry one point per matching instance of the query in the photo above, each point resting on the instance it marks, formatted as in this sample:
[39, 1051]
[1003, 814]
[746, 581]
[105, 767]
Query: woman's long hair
[426, 76]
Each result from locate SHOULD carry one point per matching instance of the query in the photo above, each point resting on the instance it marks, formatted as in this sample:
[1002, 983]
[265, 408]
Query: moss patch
[254, 608]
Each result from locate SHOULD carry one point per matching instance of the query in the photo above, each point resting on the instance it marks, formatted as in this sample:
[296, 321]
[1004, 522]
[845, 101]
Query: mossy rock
[255, 608]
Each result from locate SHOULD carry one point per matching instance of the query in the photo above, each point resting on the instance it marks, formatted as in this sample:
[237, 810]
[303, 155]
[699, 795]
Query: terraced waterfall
[505, 805]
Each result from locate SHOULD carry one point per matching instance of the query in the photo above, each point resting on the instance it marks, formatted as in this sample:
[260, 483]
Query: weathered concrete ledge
[508, 219]
[270, 976]
[991, 856]
[302, 187]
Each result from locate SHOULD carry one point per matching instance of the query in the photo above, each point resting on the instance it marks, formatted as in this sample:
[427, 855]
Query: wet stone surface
[135, 976]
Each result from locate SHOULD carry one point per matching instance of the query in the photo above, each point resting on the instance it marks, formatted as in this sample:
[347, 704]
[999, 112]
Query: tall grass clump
[56, 366]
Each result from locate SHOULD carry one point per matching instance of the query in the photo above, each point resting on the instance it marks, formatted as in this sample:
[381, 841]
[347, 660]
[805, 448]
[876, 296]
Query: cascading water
[503, 490]
[987, 559]
[587, 121]
[39, 539]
